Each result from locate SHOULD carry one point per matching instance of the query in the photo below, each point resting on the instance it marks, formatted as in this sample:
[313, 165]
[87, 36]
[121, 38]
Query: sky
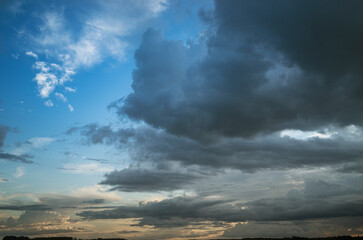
[162, 119]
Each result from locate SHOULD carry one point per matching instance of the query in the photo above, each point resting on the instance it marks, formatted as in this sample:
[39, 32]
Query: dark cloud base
[318, 200]
[259, 73]
[222, 101]
[150, 145]
[25, 158]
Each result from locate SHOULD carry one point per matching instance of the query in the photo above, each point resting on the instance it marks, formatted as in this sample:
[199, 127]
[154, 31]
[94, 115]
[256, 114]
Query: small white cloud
[42, 66]
[66, 74]
[56, 66]
[70, 108]
[86, 168]
[31, 54]
[38, 142]
[50, 76]
[60, 96]
[68, 89]
[48, 103]
[102, 35]
[46, 83]
[15, 55]
[20, 171]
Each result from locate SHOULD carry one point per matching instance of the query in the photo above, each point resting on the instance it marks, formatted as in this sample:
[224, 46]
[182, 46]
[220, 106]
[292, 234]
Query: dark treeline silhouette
[55, 238]
[290, 238]
[304, 238]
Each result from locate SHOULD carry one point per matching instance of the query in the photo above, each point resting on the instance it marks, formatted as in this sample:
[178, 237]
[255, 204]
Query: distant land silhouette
[290, 238]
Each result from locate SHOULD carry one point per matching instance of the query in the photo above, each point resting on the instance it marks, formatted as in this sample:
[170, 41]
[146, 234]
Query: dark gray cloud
[173, 212]
[318, 200]
[222, 102]
[127, 232]
[320, 36]
[30, 217]
[36, 222]
[146, 144]
[309, 228]
[261, 73]
[57, 201]
[147, 180]
[3, 132]
[51, 202]
[94, 201]
[219, 103]
[36, 231]
[24, 158]
[3, 180]
[33, 207]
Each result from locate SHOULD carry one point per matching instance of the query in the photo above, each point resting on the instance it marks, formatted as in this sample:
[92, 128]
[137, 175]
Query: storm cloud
[318, 200]
[147, 180]
[258, 74]
[33, 207]
[24, 158]
[267, 87]
[147, 144]
[179, 211]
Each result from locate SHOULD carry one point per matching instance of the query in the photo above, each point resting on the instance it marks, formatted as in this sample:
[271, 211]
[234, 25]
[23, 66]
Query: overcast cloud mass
[181, 119]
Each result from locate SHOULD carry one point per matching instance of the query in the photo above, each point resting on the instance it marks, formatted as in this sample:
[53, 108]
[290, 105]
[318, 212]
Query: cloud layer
[256, 93]
[96, 38]
[318, 200]
[24, 158]
[146, 144]
[261, 73]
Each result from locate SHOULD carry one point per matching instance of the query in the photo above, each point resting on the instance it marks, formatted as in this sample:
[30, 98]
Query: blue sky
[99, 78]
[181, 119]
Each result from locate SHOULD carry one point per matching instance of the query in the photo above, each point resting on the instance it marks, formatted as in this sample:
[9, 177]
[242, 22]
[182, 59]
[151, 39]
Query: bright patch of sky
[303, 135]
[64, 144]
[65, 62]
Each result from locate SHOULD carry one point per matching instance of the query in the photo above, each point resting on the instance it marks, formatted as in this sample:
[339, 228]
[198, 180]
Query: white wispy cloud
[88, 168]
[102, 35]
[31, 54]
[15, 55]
[60, 96]
[39, 142]
[70, 107]
[68, 89]
[20, 171]
[48, 103]
[51, 75]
